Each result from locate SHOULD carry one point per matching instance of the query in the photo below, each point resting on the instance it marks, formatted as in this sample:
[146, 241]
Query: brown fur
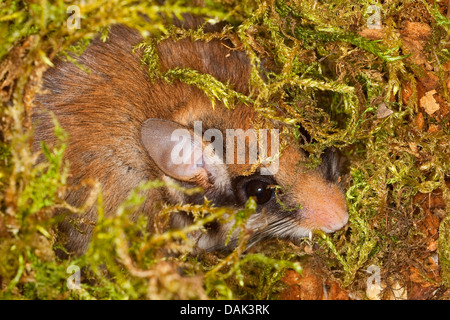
[103, 111]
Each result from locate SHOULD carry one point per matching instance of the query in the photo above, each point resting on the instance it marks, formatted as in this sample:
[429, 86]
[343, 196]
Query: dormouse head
[232, 165]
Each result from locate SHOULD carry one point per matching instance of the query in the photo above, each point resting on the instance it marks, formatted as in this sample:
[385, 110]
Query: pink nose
[328, 221]
[327, 213]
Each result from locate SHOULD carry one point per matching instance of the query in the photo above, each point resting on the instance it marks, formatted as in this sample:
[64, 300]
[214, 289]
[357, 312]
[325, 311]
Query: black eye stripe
[257, 186]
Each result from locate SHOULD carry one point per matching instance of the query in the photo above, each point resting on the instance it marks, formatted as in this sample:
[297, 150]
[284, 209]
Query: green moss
[444, 251]
[214, 89]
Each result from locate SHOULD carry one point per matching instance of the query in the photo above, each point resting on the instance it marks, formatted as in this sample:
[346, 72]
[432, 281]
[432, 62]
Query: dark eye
[259, 189]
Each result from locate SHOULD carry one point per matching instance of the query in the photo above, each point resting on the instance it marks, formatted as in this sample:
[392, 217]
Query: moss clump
[444, 251]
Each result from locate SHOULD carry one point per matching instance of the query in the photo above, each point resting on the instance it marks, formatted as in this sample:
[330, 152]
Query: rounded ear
[175, 150]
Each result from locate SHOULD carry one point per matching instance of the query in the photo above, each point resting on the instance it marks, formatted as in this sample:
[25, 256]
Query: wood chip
[419, 121]
[429, 103]
[383, 111]
[432, 246]
[406, 92]
[416, 30]
[372, 34]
